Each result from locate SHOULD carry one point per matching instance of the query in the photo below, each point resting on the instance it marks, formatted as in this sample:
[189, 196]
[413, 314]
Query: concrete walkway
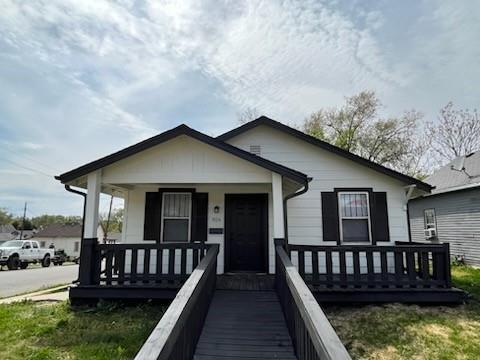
[59, 293]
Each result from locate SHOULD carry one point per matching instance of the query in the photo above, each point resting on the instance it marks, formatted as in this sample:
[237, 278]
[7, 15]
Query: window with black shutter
[176, 215]
[355, 216]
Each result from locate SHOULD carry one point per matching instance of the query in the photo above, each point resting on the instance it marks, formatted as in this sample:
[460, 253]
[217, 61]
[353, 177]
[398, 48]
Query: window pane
[176, 205]
[355, 230]
[353, 205]
[175, 230]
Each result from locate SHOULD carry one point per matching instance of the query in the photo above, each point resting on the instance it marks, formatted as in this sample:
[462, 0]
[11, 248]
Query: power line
[27, 168]
[29, 158]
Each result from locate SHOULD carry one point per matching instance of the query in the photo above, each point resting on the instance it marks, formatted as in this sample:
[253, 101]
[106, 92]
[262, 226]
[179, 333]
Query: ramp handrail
[177, 333]
[312, 334]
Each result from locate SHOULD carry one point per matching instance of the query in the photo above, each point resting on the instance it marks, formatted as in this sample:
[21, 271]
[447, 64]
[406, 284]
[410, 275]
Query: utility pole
[23, 221]
[105, 232]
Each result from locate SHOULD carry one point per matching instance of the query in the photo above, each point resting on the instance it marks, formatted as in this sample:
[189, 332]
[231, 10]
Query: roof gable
[173, 133]
[263, 120]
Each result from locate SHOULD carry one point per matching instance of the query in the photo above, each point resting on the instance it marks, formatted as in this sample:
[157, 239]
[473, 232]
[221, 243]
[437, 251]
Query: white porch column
[94, 184]
[277, 200]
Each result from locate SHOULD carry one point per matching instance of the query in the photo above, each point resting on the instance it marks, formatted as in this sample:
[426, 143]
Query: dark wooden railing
[177, 333]
[312, 334]
[159, 264]
[404, 265]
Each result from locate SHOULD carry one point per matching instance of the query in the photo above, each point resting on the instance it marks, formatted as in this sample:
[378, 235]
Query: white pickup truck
[19, 253]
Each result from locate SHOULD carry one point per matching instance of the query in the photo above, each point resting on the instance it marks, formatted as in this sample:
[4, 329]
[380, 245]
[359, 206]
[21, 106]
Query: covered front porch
[169, 228]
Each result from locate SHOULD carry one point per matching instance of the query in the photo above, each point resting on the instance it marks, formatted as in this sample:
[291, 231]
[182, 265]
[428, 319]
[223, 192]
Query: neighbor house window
[430, 221]
[76, 246]
[176, 216]
[354, 214]
[42, 244]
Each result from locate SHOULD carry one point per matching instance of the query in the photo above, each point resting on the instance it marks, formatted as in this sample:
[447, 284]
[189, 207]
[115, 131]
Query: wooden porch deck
[259, 315]
[244, 325]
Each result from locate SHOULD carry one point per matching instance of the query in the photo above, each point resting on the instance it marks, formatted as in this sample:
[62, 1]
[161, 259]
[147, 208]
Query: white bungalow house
[241, 190]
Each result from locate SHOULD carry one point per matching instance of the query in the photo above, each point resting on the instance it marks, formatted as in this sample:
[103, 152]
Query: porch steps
[244, 325]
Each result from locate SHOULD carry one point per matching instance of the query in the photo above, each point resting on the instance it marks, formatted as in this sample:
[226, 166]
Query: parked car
[60, 257]
[19, 253]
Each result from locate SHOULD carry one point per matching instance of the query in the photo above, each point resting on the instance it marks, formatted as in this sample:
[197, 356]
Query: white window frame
[434, 219]
[341, 218]
[176, 217]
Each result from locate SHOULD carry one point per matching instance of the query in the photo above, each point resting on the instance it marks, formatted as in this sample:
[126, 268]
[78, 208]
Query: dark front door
[246, 232]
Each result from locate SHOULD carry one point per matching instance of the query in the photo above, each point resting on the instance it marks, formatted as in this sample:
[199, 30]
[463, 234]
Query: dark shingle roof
[59, 230]
[451, 176]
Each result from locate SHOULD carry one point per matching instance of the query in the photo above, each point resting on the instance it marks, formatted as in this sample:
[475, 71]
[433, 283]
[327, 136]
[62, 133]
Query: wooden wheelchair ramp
[244, 325]
[203, 322]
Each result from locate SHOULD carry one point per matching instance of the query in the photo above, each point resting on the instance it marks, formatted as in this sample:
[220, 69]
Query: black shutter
[379, 217]
[199, 216]
[153, 209]
[330, 217]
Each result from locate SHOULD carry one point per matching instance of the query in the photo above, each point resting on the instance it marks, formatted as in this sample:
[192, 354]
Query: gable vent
[255, 149]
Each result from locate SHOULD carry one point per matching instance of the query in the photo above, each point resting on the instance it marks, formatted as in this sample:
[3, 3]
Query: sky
[82, 79]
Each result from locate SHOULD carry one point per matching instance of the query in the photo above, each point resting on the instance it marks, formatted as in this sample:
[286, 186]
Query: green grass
[398, 331]
[41, 331]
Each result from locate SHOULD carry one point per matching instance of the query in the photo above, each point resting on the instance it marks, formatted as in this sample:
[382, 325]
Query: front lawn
[40, 331]
[397, 331]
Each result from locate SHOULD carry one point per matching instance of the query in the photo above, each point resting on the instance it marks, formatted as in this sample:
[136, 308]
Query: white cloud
[84, 78]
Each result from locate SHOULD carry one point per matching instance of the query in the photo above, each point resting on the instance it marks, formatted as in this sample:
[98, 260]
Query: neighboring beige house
[65, 237]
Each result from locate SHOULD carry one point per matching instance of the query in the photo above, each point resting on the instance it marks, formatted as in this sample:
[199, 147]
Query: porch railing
[138, 264]
[312, 334]
[359, 266]
[177, 333]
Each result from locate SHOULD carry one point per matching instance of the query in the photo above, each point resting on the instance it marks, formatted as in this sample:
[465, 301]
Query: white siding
[184, 160]
[328, 171]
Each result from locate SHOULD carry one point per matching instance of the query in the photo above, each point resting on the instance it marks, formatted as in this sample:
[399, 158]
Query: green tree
[5, 217]
[357, 127]
[44, 220]
[115, 223]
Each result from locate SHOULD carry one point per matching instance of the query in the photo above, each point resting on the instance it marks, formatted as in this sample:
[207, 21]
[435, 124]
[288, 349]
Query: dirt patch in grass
[56, 331]
[397, 331]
